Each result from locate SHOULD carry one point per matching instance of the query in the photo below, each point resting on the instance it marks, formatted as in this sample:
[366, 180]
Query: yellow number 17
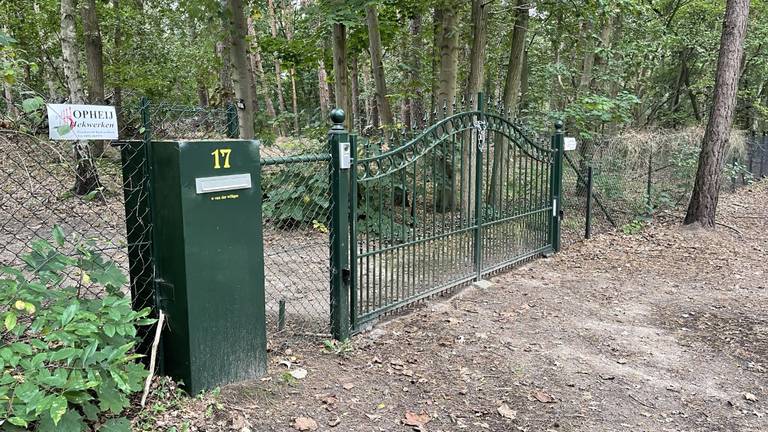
[221, 154]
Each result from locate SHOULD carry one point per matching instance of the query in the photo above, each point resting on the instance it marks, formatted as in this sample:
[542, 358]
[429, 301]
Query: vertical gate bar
[557, 185]
[353, 264]
[478, 191]
[339, 230]
[588, 222]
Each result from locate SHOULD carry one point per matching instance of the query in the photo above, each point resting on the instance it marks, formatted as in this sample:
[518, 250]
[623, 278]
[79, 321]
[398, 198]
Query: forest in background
[602, 66]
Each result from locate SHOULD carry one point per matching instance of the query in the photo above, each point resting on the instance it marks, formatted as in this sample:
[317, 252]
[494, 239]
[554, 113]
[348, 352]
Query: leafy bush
[297, 196]
[66, 360]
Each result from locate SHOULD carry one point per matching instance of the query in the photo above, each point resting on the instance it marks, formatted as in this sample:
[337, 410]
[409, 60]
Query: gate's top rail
[382, 164]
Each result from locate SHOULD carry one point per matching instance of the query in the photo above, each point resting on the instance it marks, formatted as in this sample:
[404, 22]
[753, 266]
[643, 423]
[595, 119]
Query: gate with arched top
[432, 210]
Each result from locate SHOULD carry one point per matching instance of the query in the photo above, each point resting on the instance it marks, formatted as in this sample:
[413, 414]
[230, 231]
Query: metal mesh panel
[296, 213]
[37, 178]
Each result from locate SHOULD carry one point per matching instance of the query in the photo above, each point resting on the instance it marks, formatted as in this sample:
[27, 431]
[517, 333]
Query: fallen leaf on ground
[348, 386]
[416, 420]
[750, 397]
[507, 412]
[305, 424]
[299, 373]
[543, 397]
[334, 422]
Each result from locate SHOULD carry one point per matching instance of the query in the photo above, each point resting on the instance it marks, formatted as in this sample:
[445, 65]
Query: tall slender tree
[236, 27]
[377, 68]
[86, 176]
[706, 189]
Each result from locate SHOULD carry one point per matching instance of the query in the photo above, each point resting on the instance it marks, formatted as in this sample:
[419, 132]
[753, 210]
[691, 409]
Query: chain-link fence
[296, 214]
[39, 178]
[640, 174]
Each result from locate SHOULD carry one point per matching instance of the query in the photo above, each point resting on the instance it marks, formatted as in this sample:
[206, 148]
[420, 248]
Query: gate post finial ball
[337, 116]
[559, 125]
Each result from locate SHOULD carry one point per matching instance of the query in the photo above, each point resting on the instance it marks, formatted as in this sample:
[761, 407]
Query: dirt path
[666, 330]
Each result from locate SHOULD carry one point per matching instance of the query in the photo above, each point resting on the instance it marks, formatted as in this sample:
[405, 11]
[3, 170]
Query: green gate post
[233, 128]
[338, 140]
[480, 145]
[556, 185]
[353, 232]
[588, 221]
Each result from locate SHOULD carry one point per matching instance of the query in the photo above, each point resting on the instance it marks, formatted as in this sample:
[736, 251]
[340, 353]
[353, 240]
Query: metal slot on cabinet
[222, 183]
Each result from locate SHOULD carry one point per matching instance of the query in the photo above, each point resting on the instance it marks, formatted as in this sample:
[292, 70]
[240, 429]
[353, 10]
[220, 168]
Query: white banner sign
[569, 144]
[81, 122]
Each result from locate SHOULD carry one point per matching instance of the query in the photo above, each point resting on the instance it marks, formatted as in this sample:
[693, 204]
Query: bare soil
[666, 330]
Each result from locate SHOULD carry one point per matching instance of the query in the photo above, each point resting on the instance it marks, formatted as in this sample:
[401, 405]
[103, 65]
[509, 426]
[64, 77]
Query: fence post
[353, 232]
[556, 185]
[649, 183]
[233, 127]
[588, 222]
[762, 154]
[480, 145]
[338, 140]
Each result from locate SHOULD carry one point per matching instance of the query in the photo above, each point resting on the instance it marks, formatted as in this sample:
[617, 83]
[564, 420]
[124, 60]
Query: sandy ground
[665, 330]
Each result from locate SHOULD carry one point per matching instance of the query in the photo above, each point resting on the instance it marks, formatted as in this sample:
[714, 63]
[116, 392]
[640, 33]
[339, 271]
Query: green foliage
[341, 349]
[67, 360]
[633, 227]
[297, 195]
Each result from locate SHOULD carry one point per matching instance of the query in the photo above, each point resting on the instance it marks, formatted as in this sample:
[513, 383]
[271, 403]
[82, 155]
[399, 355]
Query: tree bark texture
[278, 72]
[355, 88]
[86, 177]
[706, 189]
[340, 72]
[415, 103]
[323, 92]
[225, 73]
[474, 86]
[377, 69]
[242, 74]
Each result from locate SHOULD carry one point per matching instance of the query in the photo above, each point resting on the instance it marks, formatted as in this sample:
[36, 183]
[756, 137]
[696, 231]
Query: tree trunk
[242, 75]
[449, 56]
[377, 69]
[13, 111]
[94, 62]
[323, 92]
[515, 64]
[257, 65]
[589, 58]
[437, 42]
[511, 95]
[340, 71]
[117, 98]
[474, 86]
[355, 84]
[706, 189]
[370, 107]
[278, 72]
[225, 73]
[86, 177]
[292, 73]
[415, 108]
[295, 102]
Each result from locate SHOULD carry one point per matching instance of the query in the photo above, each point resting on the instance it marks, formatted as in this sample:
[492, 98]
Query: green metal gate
[468, 196]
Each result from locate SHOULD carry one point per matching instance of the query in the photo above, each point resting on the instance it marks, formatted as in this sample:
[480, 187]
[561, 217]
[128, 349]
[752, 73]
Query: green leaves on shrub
[67, 360]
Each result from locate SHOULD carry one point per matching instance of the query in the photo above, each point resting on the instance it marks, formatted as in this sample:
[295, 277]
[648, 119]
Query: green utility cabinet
[207, 241]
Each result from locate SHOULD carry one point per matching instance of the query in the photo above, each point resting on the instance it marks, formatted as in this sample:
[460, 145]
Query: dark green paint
[209, 264]
[420, 226]
[339, 227]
